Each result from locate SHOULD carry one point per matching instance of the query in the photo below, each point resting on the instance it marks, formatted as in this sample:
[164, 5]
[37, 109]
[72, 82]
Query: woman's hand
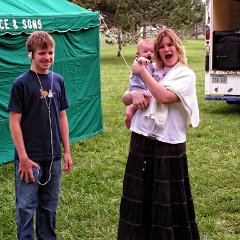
[138, 68]
[140, 99]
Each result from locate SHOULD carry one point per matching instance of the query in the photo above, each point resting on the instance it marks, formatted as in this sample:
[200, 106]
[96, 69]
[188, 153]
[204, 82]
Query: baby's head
[145, 48]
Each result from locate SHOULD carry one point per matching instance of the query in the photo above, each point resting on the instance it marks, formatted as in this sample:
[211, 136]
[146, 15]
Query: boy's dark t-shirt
[27, 99]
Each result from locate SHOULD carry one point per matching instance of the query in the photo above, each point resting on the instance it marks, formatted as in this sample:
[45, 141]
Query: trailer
[222, 50]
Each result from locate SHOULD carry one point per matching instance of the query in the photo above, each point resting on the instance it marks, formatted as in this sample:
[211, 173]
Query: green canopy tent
[76, 34]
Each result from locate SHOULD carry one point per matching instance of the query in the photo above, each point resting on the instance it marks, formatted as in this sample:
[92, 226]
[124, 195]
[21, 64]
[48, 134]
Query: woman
[157, 203]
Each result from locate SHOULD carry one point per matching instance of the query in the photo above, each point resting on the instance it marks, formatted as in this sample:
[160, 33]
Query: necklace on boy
[50, 93]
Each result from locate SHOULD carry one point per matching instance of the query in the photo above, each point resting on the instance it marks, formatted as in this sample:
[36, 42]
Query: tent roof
[17, 16]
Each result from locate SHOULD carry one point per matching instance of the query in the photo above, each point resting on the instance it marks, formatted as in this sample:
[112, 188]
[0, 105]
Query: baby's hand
[143, 60]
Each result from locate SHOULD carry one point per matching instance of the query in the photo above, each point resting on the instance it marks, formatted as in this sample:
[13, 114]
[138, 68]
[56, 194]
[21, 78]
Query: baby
[145, 54]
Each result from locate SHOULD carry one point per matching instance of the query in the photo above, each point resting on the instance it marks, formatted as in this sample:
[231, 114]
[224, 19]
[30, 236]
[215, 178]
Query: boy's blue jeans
[43, 200]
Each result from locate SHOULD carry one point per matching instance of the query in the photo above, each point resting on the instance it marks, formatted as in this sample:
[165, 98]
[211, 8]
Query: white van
[222, 55]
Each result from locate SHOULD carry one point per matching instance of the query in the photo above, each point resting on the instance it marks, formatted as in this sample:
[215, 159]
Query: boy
[38, 125]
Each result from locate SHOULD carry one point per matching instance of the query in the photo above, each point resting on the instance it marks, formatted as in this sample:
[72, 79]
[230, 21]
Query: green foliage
[90, 198]
[129, 16]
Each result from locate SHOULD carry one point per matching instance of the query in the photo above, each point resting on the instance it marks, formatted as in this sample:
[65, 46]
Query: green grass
[91, 193]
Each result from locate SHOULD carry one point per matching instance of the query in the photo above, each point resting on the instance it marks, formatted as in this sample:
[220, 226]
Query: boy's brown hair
[39, 39]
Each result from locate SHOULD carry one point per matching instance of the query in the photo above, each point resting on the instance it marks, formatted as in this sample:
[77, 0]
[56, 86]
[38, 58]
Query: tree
[198, 17]
[107, 8]
[129, 16]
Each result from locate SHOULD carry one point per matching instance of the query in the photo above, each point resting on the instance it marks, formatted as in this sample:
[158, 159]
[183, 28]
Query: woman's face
[168, 52]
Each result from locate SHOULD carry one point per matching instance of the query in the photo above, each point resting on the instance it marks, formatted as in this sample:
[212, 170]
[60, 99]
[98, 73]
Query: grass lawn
[91, 193]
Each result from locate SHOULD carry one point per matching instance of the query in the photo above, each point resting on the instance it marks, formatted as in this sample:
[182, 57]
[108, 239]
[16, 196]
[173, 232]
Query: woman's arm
[137, 98]
[160, 93]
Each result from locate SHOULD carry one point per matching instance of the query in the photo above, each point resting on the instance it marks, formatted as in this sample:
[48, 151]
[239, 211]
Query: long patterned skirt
[157, 203]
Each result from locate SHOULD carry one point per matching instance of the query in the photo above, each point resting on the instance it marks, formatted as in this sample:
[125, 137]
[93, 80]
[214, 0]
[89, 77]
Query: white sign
[10, 24]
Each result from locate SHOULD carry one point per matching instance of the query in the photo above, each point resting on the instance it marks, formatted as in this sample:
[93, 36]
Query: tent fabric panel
[77, 59]
[13, 52]
[85, 118]
[81, 63]
[5, 88]
[42, 7]
[6, 144]
[27, 16]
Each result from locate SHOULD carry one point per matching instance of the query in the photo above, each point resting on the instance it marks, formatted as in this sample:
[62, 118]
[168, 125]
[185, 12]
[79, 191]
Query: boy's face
[42, 59]
[147, 51]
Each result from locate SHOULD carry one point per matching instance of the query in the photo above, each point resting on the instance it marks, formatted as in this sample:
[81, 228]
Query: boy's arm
[65, 141]
[26, 164]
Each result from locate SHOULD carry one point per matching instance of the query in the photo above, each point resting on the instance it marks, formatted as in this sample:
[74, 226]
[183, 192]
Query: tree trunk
[119, 42]
[144, 31]
[196, 31]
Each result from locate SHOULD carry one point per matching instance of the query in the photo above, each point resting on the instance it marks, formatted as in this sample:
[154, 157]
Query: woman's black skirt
[157, 203]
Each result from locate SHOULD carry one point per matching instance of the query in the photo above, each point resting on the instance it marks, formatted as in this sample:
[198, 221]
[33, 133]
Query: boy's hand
[67, 167]
[25, 170]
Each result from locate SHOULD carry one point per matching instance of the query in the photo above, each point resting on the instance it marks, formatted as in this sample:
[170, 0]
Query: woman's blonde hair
[167, 32]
